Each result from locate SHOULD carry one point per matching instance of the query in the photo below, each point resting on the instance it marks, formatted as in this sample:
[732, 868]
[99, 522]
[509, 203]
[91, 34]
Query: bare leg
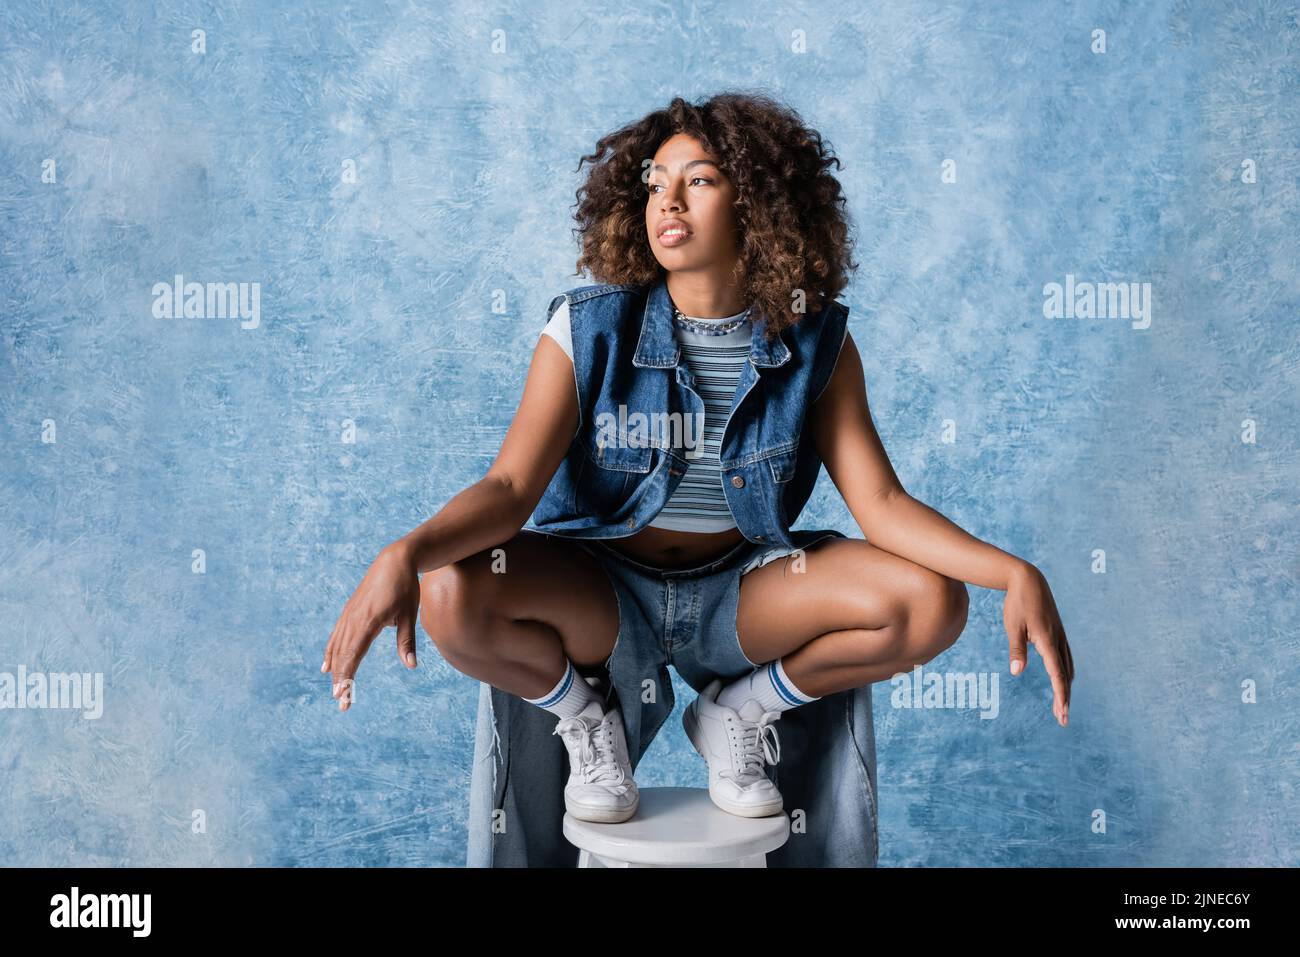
[854, 615]
[510, 615]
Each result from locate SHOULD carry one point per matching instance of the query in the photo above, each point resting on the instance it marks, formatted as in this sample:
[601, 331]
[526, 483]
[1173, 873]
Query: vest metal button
[631, 522]
[737, 481]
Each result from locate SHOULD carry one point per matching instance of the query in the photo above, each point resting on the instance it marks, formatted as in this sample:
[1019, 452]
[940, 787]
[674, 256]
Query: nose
[671, 200]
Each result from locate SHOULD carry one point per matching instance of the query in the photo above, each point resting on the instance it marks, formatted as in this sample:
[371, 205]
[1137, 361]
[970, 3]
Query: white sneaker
[600, 786]
[737, 747]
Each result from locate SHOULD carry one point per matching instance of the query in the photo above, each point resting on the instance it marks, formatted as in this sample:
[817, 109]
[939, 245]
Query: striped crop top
[715, 351]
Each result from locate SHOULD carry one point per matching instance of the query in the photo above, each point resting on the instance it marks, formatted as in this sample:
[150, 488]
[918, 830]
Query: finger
[406, 640]
[1018, 655]
[1062, 645]
[346, 659]
[353, 648]
[347, 693]
[1063, 652]
[345, 669]
[1052, 662]
[329, 646]
[336, 636]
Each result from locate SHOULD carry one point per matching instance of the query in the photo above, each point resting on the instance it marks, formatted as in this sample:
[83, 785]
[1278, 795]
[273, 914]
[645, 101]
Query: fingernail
[1016, 665]
[410, 658]
[324, 665]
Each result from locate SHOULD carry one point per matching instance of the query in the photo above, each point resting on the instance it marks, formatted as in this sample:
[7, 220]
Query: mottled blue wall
[1071, 435]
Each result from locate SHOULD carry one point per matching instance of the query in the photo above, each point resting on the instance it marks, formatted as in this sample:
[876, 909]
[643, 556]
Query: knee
[938, 607]
[452, 610]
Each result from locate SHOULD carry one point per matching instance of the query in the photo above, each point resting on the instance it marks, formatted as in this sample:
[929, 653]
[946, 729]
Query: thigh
[534, 577]
[838, 584]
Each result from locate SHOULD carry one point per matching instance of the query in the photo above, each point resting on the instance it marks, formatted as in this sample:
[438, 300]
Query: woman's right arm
[487, 513]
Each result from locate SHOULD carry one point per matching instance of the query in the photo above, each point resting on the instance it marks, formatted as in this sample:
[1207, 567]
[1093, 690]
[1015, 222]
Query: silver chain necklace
[709, 328]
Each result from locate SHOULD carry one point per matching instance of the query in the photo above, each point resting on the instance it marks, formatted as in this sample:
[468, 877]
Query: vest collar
[657, 347]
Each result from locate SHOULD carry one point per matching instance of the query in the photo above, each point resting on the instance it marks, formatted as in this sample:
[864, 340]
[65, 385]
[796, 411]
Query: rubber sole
[598, 815]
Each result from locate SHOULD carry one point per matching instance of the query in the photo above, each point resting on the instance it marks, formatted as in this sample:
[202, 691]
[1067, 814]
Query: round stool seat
[678, 827]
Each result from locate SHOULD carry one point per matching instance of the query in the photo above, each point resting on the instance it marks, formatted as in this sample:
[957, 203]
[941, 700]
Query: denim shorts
[684, 617]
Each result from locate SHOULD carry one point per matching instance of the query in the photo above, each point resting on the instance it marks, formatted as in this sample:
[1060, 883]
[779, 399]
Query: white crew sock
[770, 686]
[570, 696]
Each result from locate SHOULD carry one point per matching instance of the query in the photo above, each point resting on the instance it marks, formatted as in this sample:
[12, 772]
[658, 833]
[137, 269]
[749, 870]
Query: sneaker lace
[599, 759]
[756, 743]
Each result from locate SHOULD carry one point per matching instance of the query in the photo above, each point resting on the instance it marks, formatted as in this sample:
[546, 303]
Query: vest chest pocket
[783, 464]
[609, 475]
[619, 455]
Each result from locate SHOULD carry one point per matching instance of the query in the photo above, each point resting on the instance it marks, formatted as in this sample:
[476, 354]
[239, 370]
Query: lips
[672, 231]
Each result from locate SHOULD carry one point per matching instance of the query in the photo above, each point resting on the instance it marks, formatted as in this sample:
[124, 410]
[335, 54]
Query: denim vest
[617, 474]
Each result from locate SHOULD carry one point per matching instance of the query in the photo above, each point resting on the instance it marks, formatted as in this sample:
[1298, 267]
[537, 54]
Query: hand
[388, 595]
[1030, 611]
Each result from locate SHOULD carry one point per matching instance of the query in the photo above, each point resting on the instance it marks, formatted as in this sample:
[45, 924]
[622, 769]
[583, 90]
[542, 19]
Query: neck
[705, 295]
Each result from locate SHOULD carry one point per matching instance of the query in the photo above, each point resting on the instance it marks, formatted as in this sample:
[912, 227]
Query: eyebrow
[685, 166]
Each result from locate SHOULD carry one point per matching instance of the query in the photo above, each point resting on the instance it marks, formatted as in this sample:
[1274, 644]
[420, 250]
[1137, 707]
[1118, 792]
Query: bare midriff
[665, 548]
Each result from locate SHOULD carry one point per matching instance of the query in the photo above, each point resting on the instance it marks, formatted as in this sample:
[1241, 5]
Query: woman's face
[689, 214]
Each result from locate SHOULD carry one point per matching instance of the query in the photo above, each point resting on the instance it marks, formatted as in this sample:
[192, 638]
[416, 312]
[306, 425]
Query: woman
[672, 426]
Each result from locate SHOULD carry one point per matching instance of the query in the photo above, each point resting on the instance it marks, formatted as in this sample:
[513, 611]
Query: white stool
[678, 827]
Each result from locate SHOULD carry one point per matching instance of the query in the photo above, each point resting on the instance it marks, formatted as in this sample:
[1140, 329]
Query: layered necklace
[709, 328]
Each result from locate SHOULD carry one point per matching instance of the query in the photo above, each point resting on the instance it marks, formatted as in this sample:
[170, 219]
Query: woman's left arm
[892, 520]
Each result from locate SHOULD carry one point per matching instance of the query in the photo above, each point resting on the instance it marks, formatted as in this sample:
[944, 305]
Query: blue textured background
[377, 306]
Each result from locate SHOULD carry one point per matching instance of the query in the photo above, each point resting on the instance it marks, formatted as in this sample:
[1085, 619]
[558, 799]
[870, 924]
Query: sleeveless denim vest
[619, 472]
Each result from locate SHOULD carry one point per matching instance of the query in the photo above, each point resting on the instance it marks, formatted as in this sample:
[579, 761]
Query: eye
[703, 179]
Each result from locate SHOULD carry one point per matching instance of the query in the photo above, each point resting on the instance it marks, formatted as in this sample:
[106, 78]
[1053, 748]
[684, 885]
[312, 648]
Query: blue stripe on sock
[564, 688]
[781, 689]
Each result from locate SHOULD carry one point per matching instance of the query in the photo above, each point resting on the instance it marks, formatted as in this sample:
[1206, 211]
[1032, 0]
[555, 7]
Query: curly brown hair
[780, 168]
